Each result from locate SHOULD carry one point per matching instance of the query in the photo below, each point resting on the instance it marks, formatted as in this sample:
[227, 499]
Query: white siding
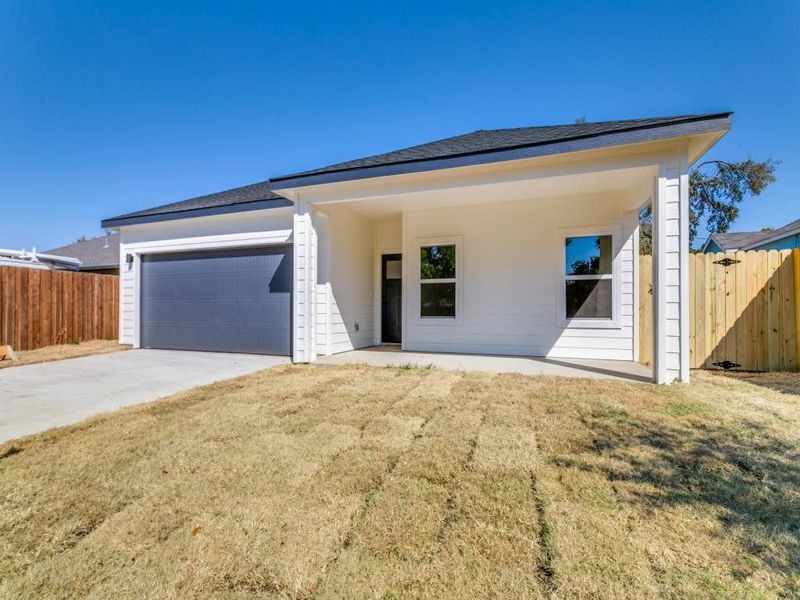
[389, 234]
[305, 273]
[240, 229]
[344, 285]
[127, 296]
[671, 253]
[510, 277]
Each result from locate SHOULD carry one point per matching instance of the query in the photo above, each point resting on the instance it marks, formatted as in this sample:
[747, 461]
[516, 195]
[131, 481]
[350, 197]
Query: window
[437, 274]
[394, 269]
[589, 286]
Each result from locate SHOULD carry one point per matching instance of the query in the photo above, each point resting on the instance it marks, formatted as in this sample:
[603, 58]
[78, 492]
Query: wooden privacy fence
[39, 307]
[744, 307]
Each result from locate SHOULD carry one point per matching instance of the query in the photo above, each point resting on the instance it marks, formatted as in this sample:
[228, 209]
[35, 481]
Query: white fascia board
[520, 171]
[707, 242]
[209, 242]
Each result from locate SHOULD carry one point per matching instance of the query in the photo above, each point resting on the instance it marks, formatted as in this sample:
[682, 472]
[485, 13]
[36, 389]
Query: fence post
[797, 307]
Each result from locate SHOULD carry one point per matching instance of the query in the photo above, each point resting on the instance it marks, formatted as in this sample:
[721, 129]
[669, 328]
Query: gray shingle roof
[483, 141]
[475, 143]
[734, 241]
[241, 195]
[745, 239]
[92, 253]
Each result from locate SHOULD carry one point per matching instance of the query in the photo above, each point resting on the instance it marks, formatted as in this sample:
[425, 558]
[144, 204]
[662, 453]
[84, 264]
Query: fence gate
[743, 309]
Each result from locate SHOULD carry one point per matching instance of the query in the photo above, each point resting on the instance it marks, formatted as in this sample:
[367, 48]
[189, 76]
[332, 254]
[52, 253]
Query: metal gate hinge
[727, 365]
[726, 262]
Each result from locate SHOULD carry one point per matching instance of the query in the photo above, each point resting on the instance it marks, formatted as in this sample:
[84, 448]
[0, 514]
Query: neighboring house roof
[247, 197]
[735, 241]
[97, 253]
[748, 240]
[792, 228]
[38, 260]
[483, 142]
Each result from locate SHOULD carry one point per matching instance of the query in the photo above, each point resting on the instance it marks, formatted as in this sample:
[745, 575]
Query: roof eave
[720, 245]
[772, 238]
[116, 222]
[709, 239]
[715, 123]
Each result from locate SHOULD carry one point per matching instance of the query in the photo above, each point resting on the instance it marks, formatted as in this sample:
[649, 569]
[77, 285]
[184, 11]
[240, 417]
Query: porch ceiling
[468, 192]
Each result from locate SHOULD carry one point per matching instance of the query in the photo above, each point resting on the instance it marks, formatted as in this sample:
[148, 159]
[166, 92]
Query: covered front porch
[393, 356]
[523, 265]
[485, 279]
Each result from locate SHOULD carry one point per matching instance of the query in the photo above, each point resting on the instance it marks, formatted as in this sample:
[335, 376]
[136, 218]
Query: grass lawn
[62, 351]
[358, 482]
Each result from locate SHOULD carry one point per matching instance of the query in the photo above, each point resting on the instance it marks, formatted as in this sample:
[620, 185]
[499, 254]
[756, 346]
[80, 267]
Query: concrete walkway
[382, 356]
[40, 396]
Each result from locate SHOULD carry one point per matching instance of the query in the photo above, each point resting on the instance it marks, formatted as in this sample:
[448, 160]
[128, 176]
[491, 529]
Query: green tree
[716, 188]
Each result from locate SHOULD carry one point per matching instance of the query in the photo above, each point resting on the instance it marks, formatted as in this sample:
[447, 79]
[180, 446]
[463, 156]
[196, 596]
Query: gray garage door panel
[223, 300]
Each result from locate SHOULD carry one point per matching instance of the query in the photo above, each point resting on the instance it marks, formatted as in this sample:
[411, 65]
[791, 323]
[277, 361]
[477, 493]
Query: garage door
[223, 300]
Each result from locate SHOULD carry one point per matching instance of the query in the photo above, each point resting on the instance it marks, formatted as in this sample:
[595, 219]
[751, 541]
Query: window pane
[437, 262]
[438, 300]
[590, 255]
[394, 269]
[589, 299]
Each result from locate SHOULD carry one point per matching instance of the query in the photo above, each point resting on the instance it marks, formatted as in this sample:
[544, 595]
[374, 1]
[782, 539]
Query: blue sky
[109, 107]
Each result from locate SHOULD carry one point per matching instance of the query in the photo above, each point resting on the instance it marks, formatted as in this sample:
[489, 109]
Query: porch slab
[387, 356]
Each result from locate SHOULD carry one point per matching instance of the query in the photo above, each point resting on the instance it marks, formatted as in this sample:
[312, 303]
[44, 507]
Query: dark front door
[219, 300]
[392, 278]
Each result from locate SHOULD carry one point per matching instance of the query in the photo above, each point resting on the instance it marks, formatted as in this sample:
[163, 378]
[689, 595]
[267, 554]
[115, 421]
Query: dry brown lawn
[357, 482]
[62, 351]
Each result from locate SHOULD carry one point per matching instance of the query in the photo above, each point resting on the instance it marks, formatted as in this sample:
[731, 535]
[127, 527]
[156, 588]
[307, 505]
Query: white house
[515, 241]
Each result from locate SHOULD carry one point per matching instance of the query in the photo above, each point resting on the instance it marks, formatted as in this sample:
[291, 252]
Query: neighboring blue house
[785, 238]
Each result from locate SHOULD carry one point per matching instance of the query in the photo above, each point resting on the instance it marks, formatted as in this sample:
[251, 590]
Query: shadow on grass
[749, 478]
[787, 383]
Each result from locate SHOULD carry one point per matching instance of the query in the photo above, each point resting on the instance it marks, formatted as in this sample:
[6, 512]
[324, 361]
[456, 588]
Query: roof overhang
[122, 221]
[701, 132]
[772, 238]
[712, 238]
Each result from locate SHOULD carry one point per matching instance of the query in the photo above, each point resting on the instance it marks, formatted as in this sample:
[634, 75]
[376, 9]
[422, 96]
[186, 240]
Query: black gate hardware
[726, 262]
[727, 365]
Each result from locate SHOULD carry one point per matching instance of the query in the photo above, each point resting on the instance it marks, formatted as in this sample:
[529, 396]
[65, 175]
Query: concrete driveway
[37, 397]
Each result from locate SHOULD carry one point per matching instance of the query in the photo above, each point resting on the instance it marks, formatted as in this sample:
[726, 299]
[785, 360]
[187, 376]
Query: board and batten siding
[344, 302]
[510, 271]
[254, 228]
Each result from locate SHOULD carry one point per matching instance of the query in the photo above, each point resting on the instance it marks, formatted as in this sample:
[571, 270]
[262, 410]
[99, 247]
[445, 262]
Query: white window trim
[453, 240]
[616, 289]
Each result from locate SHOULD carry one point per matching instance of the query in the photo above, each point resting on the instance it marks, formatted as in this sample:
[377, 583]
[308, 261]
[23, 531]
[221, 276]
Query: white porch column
[305, 282]
[671, 271]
